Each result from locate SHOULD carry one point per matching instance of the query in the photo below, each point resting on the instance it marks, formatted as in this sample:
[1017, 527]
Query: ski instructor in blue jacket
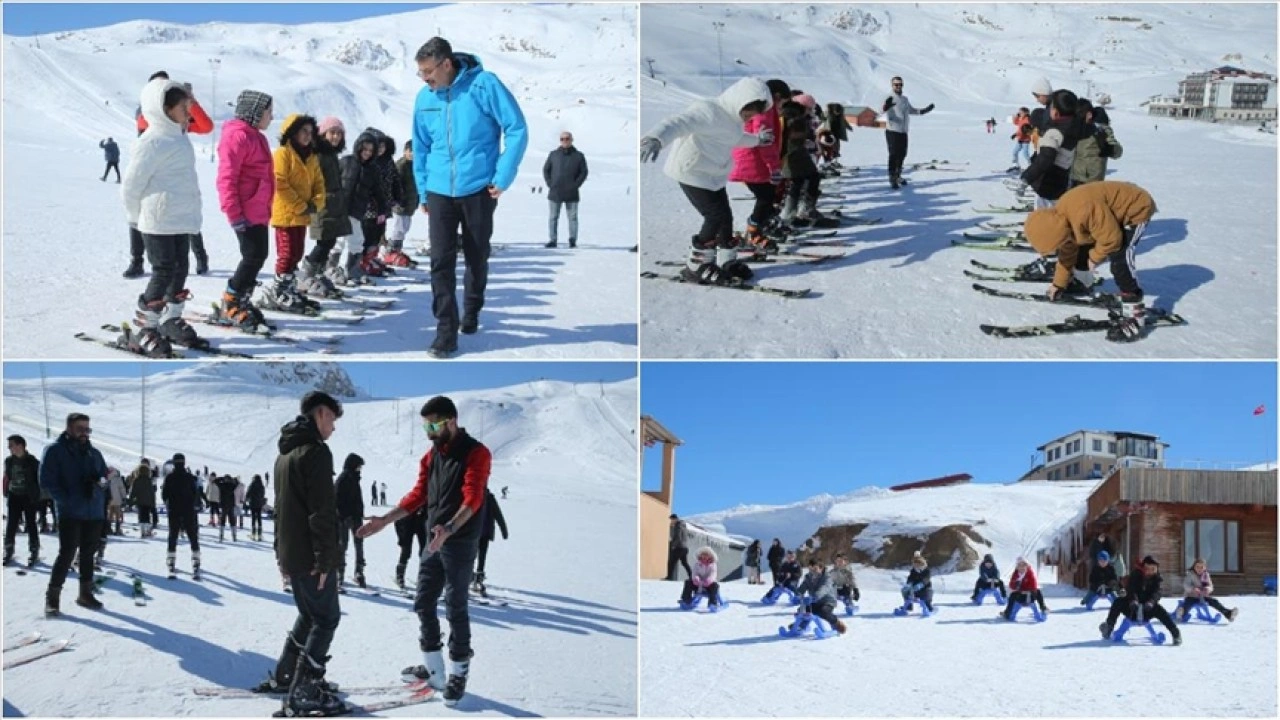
[469, 136]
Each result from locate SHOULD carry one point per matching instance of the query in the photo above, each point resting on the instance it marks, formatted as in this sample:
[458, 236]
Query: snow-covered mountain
[900, 291]
[565, 645]
[571, 67]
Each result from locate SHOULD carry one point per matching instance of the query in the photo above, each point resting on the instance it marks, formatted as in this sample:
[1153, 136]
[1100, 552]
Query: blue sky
[383, 379]
[781, 432]
[38, 18]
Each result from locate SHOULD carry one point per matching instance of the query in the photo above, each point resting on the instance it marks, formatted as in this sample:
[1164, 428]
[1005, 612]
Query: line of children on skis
[764, 134]
[301, 185]
[820, 589]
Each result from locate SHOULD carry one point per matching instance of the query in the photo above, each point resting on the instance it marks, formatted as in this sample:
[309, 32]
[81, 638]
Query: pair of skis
[1075, 323]
[408, 694]
[41, 653]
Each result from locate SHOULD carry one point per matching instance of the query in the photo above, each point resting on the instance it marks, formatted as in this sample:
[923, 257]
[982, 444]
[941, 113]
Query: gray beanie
[251, 105]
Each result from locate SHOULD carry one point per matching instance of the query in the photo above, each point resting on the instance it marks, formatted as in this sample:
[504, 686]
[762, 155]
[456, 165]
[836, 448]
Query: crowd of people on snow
[819, 590]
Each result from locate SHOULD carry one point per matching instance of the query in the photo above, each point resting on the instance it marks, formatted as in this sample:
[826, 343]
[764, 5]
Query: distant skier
[919, 585]
[677, 547]
[897, 112]
[1023, 589]
[73, 471]
[110, 153]
[212, 496]
[227, 486]
[162, 199]
[246, 188]
[1103, 579]
[821, 594]
[373, 494]
[179, 496]
[22, 494]
[988, 577]
[702, 138]
[350, 504]
[703, 578]
[142, 493]
[257, 498]
[1022, 129]
[774, 557]
[237, 510]
[1198, 587]
[382, 496]
[490, 515]
[1142, 603]
[504, 492]
[752, 563]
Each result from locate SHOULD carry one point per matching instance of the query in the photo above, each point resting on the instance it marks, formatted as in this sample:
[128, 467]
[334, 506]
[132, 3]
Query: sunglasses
[566, 139]
[82, 430]
[897, 84]
[434, 427]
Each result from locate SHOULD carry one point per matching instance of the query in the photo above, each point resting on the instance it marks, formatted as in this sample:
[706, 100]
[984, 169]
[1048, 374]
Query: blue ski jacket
[74, 475]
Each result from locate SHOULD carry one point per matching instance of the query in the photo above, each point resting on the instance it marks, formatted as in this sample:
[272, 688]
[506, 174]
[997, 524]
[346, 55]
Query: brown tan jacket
[1091, 216]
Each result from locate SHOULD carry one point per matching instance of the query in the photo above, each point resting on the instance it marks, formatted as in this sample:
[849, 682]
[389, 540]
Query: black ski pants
[447, 572]
[473, 214]
[1026, 597]
[984, 584]
[1130, 610]
[1189, 602]
[897, 143]
[712, 592]
[226, 514]
[848, 593]
[481, 555]
[75, 536]
[146, 514]
[717, 216]
[824, 610]
[324, 242]
[348, 526]
[254, 247]
[168, 257]
[255, 519]
[318, 613]
[188, 522]
[764, 210]
[112, 165]
[678, 555]
[21, 509]
[405, 536]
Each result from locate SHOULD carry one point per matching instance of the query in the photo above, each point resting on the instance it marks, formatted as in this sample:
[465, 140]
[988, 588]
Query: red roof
[960, 479]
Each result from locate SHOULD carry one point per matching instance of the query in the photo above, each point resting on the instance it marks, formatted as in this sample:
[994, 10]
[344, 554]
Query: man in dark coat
[452, 480]
[1142, 602]
[142, 494]
[74, 473]
[110, 153]
[307, 551]
[256, 497]
[181, 496]
[490, 515]
[350, 502]
[22, 490]
[677, 548]
[774, 556]
[564, 172]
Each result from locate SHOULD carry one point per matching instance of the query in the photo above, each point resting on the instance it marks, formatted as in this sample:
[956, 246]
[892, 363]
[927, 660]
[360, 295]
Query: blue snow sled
[905, 609]
[806, 622]
[849, 607]
[990, 592]
[1200, 610]
[1092, 599]
[1157, 637]
[775, 594]
[1039, 614]
[698, 597]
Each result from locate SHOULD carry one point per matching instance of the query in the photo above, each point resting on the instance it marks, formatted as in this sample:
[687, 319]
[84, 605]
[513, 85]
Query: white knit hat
[1042, 87]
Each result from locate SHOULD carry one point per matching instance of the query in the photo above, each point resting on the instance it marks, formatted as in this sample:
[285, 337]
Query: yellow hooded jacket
[1091, 216]
[298, 182]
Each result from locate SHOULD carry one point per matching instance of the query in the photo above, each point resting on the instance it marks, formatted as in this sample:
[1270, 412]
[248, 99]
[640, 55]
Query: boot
[308, 694]
[789, 208]
[176, 330]
[311, 281]
[431, 670]
[135, 269]
[238, 312]
[202, 263]
[456, 687]
[8, 555]
[370, 265]
[470, 323]
[195, 566]
[172, 560]
[839, 626]
[52, 600]
[360, 579]
[400, 576]
[147, 339]
[222, 534]
[86, 599]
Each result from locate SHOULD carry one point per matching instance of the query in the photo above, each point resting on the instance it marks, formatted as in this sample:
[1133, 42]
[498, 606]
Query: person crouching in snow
[1023, 588]
[702, 139]
[1092, 223]
[788, 572]
[1199, 587]
[822, 594]
[988, 577]
[703, 578]
[161, 195]
[919, 585]
[845, 583]
[1102, 579]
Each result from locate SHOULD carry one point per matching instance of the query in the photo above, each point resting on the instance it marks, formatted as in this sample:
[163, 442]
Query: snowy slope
[1017, 519]
[961, 662]
[564, 646]
[901, 292]
[65, 232]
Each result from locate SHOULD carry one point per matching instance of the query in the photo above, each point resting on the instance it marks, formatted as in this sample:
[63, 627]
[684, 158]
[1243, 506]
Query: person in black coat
[753, 562]
[919, 584]
[110, 153]
[226, 504]
[1102, 579]
[1098, 545]
[564, 172]
[789, 572]
[1142, 603]
[256, 497]
[366, 202]
[22, 491]
[350, 503]
[407, 528]
[490, 515]
[774, 557]
[677, 548]
[180, 495]
[988, 577]
[1049, 173]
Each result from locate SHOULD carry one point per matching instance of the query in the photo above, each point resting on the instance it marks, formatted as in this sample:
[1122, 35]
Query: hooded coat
[246, 174]
[757, 164]
[179, 491]
[349, 498]
[1089, 218]
[362, 183]
[160, 189]
[306, 512]
[701, 139]
[705, 574]
[299, 180]
[73, 475]
[331, 221]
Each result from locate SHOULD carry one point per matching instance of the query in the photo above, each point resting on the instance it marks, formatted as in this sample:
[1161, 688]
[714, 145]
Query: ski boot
[312, 282]
[176, 330]
[395, 257]
[202, 263]
[282, 296]
[195, 566]
[238, 311]
[370, 264]
[86, 599]
[147, 339]
[360, 582]
[756, 240]
[135, 269]
[52, 602]
[1127, 323]
[172, 561]
[400, 576]
[715, 266]
[309, 694]
[456, 686]
[431, 670]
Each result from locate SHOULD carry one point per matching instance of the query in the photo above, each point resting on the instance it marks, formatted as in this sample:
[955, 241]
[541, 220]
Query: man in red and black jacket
[452, 479]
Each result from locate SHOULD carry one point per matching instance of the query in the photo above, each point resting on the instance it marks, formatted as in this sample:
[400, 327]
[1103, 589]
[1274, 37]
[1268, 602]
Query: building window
[1097, 445]
[1075, 446]
[1097, 467]
[1111, 448]
[1216, 541]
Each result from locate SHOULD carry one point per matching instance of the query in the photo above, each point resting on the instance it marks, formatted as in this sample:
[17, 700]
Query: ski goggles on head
[434, 427]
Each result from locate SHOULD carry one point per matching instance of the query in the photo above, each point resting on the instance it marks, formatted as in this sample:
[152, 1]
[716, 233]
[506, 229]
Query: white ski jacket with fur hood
[701, 139]
[160, 188]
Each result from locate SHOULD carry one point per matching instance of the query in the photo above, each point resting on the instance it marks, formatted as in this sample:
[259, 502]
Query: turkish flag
[1260, 409]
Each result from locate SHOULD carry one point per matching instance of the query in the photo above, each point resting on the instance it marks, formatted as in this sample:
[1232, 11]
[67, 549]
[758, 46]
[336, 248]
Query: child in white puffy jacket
[705, 577]
[1199, 586]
